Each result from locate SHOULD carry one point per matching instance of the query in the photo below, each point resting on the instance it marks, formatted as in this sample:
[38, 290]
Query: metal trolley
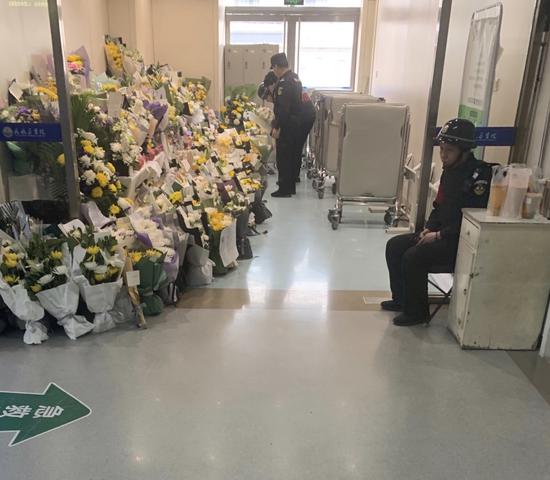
[332, 107]
[373, 145]
[315, 136]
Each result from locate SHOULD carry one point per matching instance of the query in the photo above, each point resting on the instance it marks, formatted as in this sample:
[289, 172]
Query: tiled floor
[297, 377]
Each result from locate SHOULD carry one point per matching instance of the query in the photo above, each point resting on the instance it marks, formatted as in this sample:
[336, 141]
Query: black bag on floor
[261, 212]
[245, 249]
[243, 244]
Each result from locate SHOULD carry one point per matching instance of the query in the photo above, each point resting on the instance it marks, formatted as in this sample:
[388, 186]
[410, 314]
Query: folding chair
[446, 291]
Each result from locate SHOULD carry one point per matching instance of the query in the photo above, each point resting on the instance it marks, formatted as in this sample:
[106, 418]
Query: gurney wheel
[321, 194]
[391, 220]
[314, 184]
[335, 217]
[309, 174]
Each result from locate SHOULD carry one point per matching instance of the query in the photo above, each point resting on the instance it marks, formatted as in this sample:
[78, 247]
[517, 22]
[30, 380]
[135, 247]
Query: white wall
[86, 22]
[23, 32]
[516, 29]
[144, 30]
[122, 20]
[366, 45]
[133, 21]
[406, 35]
[186, 35]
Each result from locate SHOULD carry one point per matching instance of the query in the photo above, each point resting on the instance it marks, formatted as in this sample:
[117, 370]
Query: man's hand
[276, 133]
[427, 238]
[423, 233]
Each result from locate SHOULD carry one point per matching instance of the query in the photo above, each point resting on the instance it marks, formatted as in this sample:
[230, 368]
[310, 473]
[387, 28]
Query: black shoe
[279, 194]
[391, 306]
[405, 320]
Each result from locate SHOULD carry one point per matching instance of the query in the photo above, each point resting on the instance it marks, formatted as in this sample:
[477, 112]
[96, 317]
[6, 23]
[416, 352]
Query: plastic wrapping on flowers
[148, 149]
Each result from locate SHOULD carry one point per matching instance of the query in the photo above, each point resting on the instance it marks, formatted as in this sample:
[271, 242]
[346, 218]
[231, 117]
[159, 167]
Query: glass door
[311, 37]
[257, 32]
[321, 44]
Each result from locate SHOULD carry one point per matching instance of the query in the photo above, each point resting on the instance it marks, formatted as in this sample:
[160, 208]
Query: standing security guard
[288, 108]
[464, 184]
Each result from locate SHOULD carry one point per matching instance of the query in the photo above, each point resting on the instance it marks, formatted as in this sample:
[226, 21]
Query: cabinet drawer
[469, 232]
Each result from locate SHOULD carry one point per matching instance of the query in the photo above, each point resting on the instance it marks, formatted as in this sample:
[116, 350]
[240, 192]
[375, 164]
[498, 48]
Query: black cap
[279, 60]
[459, 132]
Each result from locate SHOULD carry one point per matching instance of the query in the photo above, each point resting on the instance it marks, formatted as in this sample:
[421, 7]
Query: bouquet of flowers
[100, 278]
[125, 149]
[234, 110]
[15, 295]
[149, 263]
[78, 64]
[49, 281]
[98, 180]
[132, 61]
[218, 222]
[113, 55]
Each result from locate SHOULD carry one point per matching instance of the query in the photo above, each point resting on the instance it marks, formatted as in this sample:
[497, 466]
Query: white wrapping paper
[124, 310]
[101, 299]
[62, 303]
[28, 311]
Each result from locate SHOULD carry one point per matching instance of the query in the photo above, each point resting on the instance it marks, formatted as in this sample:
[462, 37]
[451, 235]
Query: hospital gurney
[372, 149]
[331, 118]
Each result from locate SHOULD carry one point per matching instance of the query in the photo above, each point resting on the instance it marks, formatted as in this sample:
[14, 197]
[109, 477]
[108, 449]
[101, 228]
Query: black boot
[405, 320]
[279, 194]
[391, 306]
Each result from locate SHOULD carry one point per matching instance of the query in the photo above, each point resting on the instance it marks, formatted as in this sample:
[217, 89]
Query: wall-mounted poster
[480, 65]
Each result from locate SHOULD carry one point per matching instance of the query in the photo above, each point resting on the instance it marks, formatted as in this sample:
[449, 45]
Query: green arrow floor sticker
[33, 414]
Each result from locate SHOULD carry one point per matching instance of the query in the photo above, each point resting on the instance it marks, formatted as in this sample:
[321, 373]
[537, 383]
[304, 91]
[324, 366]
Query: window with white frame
[319, 39]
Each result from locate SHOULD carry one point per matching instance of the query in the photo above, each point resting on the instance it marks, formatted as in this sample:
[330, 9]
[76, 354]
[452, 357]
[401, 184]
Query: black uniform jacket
[464, 186]
[288, 102]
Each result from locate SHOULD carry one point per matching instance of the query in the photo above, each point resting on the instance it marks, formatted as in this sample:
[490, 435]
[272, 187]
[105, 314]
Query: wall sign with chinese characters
[30, 132]
[31, 415]
[492, 136]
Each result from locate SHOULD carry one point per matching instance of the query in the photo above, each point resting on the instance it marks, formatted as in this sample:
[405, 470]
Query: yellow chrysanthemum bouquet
[113, 55]
[101, 265]
[16, 297]
[49, 279]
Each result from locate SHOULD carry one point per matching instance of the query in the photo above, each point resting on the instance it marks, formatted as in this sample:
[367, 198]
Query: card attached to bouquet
[114, 104]
[133, 279]
[16, 91]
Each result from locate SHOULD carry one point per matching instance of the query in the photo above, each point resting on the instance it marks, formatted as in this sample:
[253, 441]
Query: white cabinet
[247, 64]
[502, 282]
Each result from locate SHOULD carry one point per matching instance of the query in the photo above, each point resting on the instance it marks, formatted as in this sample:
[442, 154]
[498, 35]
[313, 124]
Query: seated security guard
[464, 184]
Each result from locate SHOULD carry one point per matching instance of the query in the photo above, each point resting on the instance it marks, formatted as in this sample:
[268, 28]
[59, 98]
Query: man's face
[450, 154]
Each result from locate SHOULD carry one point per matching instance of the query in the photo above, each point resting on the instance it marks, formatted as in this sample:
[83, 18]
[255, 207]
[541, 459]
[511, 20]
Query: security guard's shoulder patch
[480, 187]
[280, 91]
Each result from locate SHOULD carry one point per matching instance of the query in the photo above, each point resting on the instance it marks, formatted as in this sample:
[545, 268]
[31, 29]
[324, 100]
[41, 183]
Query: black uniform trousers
[302, 132]
[409, 265]
[286, 160]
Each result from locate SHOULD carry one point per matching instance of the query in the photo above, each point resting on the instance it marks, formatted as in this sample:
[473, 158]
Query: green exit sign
[294, 2]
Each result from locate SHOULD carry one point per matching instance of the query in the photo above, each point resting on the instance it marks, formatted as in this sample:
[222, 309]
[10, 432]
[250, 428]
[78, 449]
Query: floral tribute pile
[169, 189]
